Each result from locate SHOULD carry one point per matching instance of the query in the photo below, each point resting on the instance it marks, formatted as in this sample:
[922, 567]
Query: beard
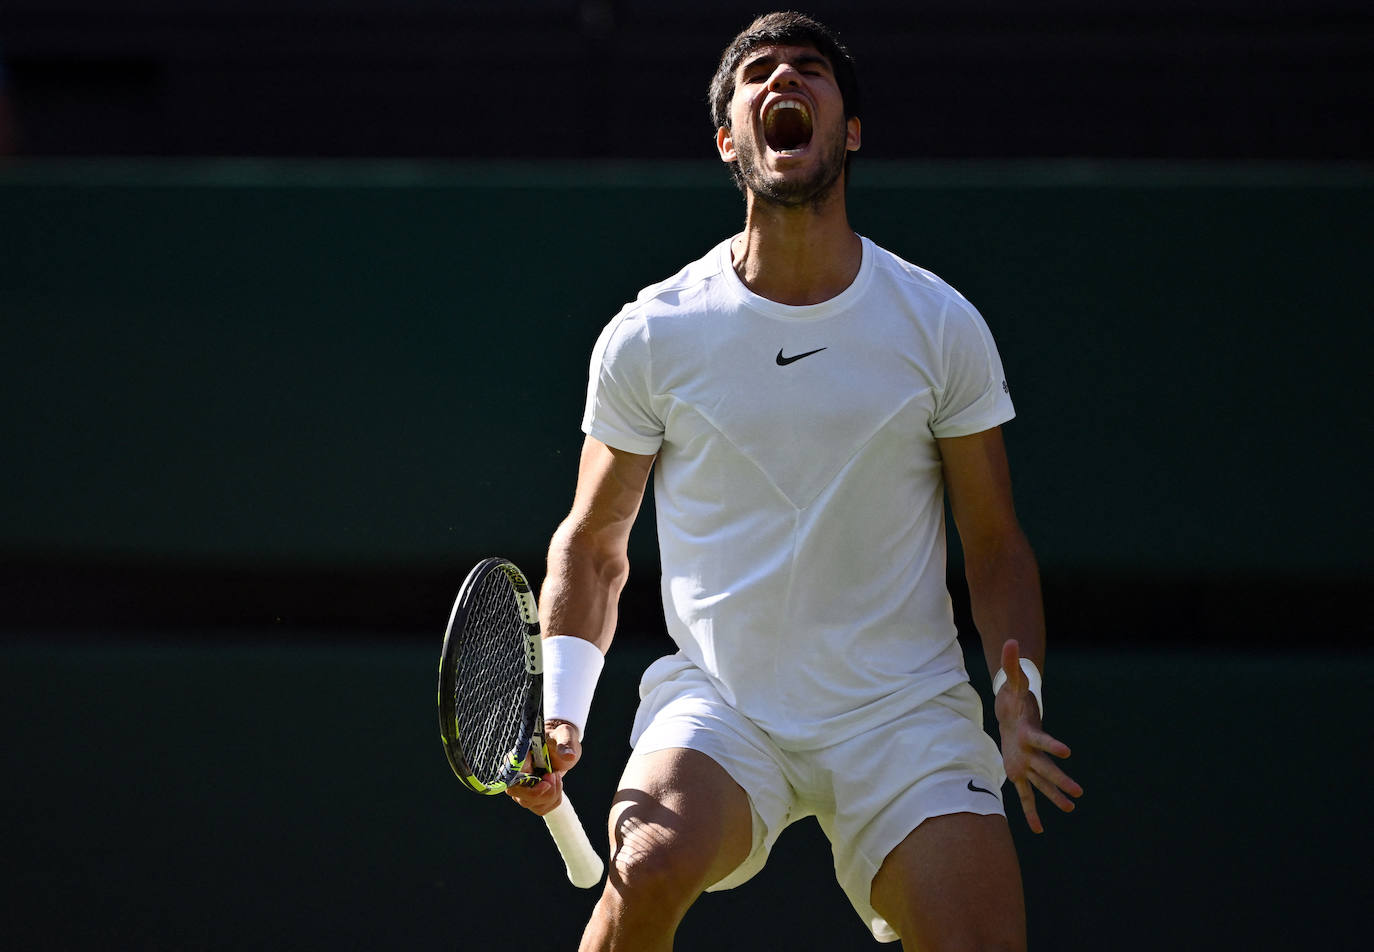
[789, 192]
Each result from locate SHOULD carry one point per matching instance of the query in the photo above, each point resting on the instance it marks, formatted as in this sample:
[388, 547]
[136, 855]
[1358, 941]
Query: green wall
[280, 365]
[241, 795]
[372, 364]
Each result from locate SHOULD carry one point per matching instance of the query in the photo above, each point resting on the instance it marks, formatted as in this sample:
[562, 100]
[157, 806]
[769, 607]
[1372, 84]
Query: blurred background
[298, 299]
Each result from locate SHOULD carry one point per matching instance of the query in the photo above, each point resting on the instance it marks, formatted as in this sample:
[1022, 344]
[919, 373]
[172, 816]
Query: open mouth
[787, 126]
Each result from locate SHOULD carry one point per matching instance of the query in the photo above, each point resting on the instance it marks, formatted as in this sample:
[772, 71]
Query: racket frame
[583, 865]
[533, 746]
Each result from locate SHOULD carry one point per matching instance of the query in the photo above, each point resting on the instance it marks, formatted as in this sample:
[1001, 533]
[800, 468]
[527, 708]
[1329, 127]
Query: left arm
[1004, 592]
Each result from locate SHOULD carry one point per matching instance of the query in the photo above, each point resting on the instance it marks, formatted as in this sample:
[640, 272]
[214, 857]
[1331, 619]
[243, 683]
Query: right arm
[587, 568]
[588, 557]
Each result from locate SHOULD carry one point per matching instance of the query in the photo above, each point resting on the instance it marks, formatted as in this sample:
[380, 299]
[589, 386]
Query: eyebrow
[807, 58]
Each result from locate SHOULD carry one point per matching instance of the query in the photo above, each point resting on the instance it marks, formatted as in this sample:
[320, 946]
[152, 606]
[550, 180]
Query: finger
[1052, 793]
[564, 748]
[540, 797]
[1011, 658]
[1027, 796]
[1061, 781]
[1042, 741]
[533, 793]
[534, 784]
[1011, 666]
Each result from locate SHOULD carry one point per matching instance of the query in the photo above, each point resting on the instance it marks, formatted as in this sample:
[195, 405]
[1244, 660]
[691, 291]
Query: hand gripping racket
[491, 700]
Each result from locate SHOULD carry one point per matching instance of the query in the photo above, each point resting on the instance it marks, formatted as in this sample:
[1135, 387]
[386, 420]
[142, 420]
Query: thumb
[1011, 664]
[565, 750]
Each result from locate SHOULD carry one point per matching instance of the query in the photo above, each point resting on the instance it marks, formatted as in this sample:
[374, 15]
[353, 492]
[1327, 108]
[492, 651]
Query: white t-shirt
[798, 487]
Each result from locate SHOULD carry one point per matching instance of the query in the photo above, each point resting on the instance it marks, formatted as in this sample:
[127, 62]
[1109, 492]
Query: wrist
[572, 667]
[1033, 679]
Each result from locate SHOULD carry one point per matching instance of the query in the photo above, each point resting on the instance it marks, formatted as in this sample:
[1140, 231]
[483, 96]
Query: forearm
[581, 591]
[1004, 593]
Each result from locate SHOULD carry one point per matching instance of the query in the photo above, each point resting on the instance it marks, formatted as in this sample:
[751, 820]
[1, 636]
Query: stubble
[792, 192]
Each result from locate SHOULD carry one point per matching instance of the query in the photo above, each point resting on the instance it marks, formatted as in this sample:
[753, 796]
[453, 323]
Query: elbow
[600, 557]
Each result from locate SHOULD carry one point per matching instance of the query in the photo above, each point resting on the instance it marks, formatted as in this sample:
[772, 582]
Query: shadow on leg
[678, 824]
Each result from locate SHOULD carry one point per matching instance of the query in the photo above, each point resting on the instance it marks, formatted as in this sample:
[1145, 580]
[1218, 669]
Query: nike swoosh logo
[784, 361]
[976, 789]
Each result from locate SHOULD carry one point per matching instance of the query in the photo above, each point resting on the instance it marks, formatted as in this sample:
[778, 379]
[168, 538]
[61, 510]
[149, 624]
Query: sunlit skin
[809, 173]
[679, 822]
[796, 247]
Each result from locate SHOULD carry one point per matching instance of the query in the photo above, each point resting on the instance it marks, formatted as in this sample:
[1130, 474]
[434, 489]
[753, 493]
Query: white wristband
[1032, 675]
[572, 666]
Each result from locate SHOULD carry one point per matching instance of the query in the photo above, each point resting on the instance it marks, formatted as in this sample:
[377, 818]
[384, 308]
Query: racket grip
[583, 863]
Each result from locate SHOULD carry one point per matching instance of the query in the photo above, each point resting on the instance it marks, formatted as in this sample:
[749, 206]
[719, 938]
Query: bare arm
[587, 568]
[1003, 578]
[1004, 592]
[588, 557]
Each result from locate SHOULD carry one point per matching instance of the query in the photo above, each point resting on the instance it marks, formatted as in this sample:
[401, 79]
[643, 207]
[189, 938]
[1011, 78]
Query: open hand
[1026, 749]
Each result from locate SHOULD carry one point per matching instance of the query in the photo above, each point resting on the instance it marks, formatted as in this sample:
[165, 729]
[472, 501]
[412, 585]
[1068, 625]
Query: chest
[800, 401]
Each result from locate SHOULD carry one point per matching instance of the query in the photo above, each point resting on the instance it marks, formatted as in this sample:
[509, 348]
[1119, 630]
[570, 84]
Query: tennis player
[805, 400]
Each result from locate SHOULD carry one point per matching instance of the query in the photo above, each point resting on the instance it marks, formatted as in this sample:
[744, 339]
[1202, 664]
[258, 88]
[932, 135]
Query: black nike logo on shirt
[784, 361]
[980, 789]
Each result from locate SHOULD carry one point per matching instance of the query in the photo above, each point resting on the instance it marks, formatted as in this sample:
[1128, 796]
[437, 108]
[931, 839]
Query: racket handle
[584, 865]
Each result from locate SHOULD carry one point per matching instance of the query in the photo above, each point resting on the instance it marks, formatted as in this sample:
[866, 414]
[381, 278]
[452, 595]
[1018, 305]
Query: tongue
[787, 130]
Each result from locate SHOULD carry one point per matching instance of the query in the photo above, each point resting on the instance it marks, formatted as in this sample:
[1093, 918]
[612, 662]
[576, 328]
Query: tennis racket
[491, 700]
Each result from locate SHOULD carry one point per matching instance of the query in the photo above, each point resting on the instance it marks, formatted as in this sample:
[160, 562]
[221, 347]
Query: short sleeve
[619, 409]
[974, 396]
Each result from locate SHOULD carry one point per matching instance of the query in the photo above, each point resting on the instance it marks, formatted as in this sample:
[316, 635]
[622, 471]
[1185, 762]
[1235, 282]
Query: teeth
[797, 128]
[789, 104]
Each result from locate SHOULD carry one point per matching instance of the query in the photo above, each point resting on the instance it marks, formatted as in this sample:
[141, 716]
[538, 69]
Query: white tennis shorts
[867, 792]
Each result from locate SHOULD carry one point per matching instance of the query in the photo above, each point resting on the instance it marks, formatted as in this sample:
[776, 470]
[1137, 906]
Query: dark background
[297, 301]
[571, 79]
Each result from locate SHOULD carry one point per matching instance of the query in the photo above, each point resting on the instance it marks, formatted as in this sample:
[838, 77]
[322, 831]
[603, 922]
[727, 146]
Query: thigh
[930, 762]
[682, 710]
[954, 883]
[679, 816]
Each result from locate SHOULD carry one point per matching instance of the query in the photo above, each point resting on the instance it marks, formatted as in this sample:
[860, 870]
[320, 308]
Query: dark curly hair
[782, 29]
[786, 28]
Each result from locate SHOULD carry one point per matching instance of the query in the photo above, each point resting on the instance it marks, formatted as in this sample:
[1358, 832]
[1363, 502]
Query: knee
[655, 865]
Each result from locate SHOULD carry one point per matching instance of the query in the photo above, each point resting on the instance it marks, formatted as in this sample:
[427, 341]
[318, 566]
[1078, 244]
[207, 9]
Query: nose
[785, 76]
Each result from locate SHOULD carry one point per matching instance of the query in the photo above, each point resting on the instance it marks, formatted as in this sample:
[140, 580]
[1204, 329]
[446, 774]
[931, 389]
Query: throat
[797, 272]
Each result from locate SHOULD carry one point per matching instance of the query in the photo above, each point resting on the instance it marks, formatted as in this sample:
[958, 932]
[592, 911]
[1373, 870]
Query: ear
[853, 137]
[725, 145]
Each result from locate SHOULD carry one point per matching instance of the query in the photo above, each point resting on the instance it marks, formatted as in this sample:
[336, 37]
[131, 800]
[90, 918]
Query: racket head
[491, 681]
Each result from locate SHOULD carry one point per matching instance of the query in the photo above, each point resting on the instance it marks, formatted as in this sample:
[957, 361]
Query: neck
[802, 255]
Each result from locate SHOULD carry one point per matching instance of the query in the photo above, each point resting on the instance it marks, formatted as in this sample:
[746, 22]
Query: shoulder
[912, 279]
[932, 299]
[661, 307]
[689, 286]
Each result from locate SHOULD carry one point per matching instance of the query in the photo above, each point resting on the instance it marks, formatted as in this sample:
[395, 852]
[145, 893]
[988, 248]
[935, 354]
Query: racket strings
[492, 688]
